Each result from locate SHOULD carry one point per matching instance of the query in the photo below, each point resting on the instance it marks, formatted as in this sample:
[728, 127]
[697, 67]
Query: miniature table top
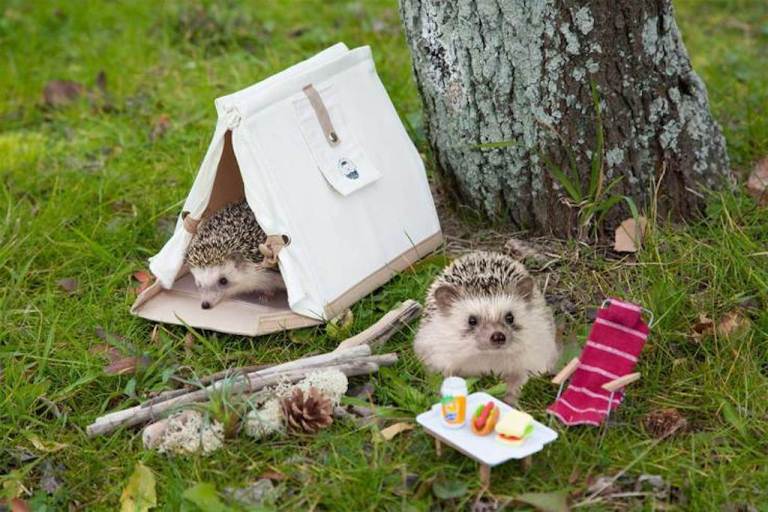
[484, 449]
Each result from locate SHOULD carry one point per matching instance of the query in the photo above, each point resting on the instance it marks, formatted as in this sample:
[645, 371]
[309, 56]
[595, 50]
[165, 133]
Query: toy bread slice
[514, 427]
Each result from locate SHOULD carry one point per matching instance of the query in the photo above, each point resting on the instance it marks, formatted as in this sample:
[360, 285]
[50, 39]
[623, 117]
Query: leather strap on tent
[190, 223]
[322, 114]
[270, 249]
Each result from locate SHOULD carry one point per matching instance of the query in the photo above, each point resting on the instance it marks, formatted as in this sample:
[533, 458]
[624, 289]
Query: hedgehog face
[217, 282]
[487, 323]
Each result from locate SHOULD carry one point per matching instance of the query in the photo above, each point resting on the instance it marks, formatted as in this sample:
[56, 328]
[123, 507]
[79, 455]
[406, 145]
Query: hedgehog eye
[509, 318]
[472, 320]
[223, 281]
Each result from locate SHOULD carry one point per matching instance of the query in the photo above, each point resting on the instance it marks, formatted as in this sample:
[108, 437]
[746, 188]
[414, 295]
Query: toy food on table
[514, 427]
[454, 402]
[485, 418]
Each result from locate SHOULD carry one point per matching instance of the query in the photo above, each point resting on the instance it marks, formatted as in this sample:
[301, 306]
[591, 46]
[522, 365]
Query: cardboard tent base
[342, 243]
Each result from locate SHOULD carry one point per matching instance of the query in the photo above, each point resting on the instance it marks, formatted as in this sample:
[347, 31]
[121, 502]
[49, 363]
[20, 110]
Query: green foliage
[594, 202]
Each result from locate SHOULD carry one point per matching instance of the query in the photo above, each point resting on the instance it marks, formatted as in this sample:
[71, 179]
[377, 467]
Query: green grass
[86, 194]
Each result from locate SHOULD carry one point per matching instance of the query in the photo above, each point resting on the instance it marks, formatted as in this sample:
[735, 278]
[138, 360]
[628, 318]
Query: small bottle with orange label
[453, 403]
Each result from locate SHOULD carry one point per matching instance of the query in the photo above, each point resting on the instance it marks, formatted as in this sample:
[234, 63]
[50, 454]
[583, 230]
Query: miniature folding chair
[606, 365]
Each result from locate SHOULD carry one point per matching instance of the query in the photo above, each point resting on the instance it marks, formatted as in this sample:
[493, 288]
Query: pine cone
[664, 422]
[308, 412]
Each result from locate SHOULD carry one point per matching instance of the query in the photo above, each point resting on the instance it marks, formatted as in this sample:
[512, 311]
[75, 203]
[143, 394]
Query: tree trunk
[521, 72]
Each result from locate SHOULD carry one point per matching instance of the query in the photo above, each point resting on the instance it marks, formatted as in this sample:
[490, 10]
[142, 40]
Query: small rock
[363, 391]
[49, 480]
[254, 495]
[68, 284]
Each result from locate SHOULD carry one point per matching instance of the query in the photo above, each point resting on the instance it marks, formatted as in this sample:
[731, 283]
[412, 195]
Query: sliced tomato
[510, 438]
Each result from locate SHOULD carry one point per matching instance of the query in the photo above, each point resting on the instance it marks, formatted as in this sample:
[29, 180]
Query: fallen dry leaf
[154, 334]
[126, 365]
[144, 278]
[19, 505]
[703, 327]
[102, 349]
[272, 475]
[139, 493]
[757, 183]
[555, 501]
[160, 126]
[189, 341]
[58, 93]
[111, 337]
[45, 446]
[391, 431]
[68, 284]
[732, 322]
[629, 235]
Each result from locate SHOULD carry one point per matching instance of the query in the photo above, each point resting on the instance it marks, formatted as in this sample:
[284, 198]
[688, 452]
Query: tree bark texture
[521, 71]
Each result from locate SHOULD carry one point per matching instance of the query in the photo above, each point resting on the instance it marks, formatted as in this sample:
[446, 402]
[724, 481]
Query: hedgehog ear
[445, 296]
[238, 258]
[524, 287]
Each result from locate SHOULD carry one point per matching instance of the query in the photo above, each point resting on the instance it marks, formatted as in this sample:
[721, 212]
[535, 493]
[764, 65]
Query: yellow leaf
[139, 493]
[391, 431]
[629, 235]
[45, 446]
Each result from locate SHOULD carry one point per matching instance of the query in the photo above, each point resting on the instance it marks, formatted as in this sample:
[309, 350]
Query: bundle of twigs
[353, 357]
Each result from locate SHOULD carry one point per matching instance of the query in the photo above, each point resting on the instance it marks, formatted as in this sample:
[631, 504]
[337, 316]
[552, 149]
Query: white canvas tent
[321, 156]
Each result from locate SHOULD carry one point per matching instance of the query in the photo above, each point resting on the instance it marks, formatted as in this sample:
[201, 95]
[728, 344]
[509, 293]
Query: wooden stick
[566, 372]
[485, 476]
[316, 361]
[376, 334]
[307, 364]
[617, 384]
[385, 327]
[138, 415]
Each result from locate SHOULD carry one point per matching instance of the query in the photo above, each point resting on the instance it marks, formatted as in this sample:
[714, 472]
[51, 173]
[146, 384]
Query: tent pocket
[332, 142]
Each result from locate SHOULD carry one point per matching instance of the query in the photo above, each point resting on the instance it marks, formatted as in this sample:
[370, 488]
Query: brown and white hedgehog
[224, 256]
[485, 315]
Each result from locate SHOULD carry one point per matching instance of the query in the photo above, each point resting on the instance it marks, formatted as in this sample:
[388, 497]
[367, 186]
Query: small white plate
[484, 449]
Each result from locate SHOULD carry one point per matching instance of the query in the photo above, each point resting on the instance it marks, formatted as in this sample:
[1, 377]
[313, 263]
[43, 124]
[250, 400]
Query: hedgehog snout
[205, 305]
[498, 339]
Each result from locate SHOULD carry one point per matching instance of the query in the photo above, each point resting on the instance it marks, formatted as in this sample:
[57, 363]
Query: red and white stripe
[626, 305]
[581, 421]
[590, 393]
[586, 409]
[622, 328]
[612, 350]
[598, 370]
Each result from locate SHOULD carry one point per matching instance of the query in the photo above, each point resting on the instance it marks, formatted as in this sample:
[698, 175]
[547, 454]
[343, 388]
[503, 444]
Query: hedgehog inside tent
[320, 155]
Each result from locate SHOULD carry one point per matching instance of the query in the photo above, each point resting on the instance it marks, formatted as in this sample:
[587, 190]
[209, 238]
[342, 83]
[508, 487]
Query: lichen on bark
[520, 71]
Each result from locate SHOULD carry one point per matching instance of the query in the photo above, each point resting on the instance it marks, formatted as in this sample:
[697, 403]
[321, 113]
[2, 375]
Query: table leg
[438, 447]
[485, 476]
